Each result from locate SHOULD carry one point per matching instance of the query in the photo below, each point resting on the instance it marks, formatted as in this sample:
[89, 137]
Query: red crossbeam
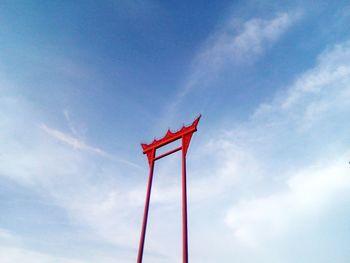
[168, 153]
[171, 136]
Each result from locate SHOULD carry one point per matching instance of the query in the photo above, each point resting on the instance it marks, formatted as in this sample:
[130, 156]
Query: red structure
[185, 134]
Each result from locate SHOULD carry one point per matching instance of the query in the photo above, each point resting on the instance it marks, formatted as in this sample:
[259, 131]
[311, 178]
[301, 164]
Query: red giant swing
[185, 134]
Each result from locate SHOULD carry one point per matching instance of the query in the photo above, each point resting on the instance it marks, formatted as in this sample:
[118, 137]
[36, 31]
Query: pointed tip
[143, 145]
[195, 122]
[169, 133]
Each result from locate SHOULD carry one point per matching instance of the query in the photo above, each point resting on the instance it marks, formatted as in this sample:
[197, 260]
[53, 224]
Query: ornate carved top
[171, 136]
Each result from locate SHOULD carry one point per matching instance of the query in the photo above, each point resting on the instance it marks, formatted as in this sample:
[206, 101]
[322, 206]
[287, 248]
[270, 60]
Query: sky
[83, 83]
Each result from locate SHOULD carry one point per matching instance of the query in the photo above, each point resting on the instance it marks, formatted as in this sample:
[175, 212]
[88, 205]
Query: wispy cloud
[11, 250]
[309, 193]
[90, 190]
[231, 46]
[319, 92]
[71, 124]
[307, 147]
[287, 164]
[237, 44]
[71, 141]
[253, 38]
[79, 144]
[15, 254]
[6, 235]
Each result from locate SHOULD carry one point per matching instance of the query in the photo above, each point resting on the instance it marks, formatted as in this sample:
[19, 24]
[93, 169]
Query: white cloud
[315, 95]
[301, 140]
[229, 46]
[15, 255]
[88, 189]
[79, 144]
[309, 192]
[71, 141]
[270, 176]
[286, 165]
[252, 39]
[332, 72]
[71, 124]
[12, 252]
[237, 44]
[6, 235]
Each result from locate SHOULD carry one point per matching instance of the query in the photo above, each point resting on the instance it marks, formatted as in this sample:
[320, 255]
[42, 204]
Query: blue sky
[83, 83]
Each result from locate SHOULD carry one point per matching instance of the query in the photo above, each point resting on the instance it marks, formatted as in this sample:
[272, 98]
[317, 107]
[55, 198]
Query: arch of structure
[185, 134]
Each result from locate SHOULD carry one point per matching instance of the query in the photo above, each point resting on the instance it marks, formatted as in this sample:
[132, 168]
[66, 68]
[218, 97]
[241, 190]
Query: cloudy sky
[82, 83]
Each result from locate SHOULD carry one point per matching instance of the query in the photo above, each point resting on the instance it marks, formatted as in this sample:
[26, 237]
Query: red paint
[184, 209]
[145, 212]
[185, 134]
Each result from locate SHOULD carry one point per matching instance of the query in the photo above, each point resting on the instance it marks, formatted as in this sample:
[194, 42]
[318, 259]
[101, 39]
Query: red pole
[145, 213]
[184, 210]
